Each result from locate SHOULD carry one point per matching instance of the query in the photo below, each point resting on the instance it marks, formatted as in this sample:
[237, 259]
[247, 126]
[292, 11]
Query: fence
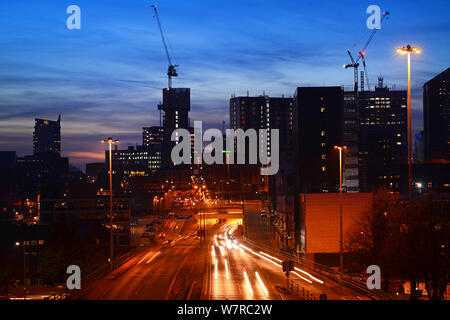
[104, 270]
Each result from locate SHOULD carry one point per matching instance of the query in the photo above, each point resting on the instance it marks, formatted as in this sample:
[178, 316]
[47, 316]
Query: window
[322, 109]
[322, 144]
[322, 133]
[324, 157]
[324, 169]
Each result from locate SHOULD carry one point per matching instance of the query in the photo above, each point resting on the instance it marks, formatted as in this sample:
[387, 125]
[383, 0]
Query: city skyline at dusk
[229, 159]
[106, 79]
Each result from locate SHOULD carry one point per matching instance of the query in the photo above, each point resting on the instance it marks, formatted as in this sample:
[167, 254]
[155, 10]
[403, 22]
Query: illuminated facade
[152, 136]
[383, 137]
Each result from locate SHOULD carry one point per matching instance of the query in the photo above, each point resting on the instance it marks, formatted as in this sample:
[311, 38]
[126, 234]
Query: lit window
[322, 109]
[324, 169]
[324, 157]
[322, 133]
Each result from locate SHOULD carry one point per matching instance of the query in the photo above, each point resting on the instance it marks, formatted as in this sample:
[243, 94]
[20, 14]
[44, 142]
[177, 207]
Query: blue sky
[106, 79]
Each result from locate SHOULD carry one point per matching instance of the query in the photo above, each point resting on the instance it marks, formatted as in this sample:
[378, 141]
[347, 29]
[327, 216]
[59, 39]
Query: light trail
[309, 275]
[259, 255]
[295, 268]
[307, 280]
[222, 251]
[273, 262]
[215, 269]
[226, 269]
[249, 286]
[269, 256]
[154, 256]
[229, 244]
[145, 257]
[261, 283]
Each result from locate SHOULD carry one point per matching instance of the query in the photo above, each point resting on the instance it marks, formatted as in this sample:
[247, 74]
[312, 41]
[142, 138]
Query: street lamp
[110, 142]
[341, 253]
[408, 50]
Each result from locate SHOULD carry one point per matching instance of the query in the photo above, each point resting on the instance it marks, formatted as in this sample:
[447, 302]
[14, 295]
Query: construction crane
[361, 56]
[171, 72]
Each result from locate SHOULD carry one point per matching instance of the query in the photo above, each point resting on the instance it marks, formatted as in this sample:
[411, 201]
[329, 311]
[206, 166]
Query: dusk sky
[106, 79]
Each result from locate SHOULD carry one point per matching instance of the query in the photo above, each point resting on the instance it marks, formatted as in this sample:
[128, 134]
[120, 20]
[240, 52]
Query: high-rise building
[137, 160]
[265, 113]
[383, 137]
[436, 118]
[47, 136]
[318, 128]
[350, 179]
[152, 136]
[176, 106]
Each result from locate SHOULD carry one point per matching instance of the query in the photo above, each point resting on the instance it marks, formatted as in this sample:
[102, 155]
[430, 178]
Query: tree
[408, 240]
[366, 241]
[63, 249]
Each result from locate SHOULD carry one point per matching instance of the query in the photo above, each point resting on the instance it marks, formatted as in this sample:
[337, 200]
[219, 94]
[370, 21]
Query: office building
[265, 113]
[350, 175]
[383, 137]
[436, 118]
[176, 106]
[47, 136]
[152, 136]
[318, 128]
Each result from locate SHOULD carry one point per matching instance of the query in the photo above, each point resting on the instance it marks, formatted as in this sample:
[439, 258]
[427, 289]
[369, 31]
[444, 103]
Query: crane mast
[355, 63]
[171, 71]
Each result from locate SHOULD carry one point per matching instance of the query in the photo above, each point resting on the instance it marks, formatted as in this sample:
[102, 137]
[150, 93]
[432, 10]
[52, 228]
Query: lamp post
[110, 142]
[341, 250]
[408, 50]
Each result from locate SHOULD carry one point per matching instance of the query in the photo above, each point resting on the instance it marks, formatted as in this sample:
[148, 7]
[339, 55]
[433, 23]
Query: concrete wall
[322, 218]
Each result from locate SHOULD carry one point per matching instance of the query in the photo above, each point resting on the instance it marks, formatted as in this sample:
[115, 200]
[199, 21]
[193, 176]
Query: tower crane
[171, 72]
[361, 56]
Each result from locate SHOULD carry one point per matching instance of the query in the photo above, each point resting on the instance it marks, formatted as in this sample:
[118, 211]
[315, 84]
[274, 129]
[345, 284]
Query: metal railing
[107, 268]
[328, 272]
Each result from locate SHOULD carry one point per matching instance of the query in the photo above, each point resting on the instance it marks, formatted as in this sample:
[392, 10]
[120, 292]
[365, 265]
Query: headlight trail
[222, 250]
[145, 257]
[215, 269]
[309, 275]
[298, 269]
[279, 265]
[307, 280]
[261, 283]
[269, 256]
[226, 269]
[154, 256]
[249, 286]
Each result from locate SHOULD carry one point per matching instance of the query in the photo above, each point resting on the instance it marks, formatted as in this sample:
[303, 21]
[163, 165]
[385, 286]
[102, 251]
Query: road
[225, 267]
[163, 271]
